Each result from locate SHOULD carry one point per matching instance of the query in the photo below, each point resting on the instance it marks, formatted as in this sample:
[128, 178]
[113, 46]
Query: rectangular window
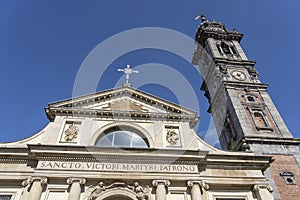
[5, 197]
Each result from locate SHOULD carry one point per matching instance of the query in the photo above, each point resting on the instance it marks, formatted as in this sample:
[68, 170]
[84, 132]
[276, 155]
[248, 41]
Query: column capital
[43, 180]
[165, 182]
[258, 187]
[81, 181]
[202, 184]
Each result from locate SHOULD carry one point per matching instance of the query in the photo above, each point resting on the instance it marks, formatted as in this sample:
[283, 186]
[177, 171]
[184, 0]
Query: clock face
[239, 75]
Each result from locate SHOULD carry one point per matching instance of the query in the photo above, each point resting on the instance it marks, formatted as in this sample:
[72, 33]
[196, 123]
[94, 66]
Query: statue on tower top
[202, 17]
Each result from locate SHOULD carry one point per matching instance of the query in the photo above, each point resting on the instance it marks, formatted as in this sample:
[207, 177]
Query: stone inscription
[127, 167]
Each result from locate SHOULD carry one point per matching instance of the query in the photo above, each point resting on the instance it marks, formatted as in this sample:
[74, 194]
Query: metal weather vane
[127, 71]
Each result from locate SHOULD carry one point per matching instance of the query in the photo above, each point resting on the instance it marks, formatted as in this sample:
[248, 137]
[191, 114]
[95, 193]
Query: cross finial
[127, 71]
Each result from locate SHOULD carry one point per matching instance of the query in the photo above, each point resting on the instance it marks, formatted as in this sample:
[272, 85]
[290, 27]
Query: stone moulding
[193, 119]
[74, 107]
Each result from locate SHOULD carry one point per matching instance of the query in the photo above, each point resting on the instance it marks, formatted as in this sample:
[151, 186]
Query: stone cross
[127, 71]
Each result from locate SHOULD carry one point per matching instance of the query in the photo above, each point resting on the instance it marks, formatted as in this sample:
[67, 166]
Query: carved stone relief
[141, 192]
[95, 191]
[125, 105]
[70, 131]
[172, 136]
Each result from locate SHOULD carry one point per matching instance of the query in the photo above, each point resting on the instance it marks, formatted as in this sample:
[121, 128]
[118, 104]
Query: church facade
[126, 144]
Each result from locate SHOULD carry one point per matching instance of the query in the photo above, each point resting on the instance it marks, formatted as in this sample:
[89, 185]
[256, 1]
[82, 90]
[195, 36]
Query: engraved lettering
[43, 164]
[117, 166]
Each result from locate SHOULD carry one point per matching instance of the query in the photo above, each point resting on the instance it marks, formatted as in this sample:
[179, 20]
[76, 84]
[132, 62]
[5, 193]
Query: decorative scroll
[202, 184]
[165, 182]
[81, 181]
[30, 180]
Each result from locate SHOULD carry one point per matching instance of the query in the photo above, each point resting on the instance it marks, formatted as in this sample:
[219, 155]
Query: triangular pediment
[124, 100]
[125, 104]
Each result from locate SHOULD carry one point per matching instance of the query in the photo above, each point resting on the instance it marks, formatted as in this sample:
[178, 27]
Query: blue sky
[44, 43]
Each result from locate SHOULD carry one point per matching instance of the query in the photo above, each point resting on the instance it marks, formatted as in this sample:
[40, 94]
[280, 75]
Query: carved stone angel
[141, 192]
[93, 192]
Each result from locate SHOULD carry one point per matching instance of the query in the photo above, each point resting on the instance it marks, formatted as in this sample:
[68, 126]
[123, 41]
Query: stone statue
[95, 191]
[141, 192]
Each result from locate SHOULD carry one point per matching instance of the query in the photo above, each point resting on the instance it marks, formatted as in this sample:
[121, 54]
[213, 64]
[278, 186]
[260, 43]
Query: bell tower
[239, 103]
[245, 117]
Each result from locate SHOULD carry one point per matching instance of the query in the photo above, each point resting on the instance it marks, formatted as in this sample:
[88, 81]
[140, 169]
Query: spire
[127, 71]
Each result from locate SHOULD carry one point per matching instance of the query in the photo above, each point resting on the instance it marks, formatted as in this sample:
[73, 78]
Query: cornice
[237, 162]
[203, 158]
[95, 113]
[231, 61]
[83, 153]
[103, 96]
[272, 140]
[136, 156]
[238, 84]
[216, 33]
[74, 106]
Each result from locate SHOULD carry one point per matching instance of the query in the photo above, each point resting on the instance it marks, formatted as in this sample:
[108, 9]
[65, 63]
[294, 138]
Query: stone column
[263, 192]
[33, 187]
[75, 188]
[196, 188]
[161, 192]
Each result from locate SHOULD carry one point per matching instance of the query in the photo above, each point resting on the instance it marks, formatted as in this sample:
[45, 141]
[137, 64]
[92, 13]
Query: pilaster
[263, 192]
[198, 189]
[33, 187]
[75, 187]
[161, 192]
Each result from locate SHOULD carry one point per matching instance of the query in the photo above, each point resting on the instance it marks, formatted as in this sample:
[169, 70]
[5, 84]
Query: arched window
[250, 99]
[122, 137]
[225, 48]
[259, 119]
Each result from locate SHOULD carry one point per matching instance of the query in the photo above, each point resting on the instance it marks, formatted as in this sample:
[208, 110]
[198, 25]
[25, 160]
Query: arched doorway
[118, 194]
[118, 198]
